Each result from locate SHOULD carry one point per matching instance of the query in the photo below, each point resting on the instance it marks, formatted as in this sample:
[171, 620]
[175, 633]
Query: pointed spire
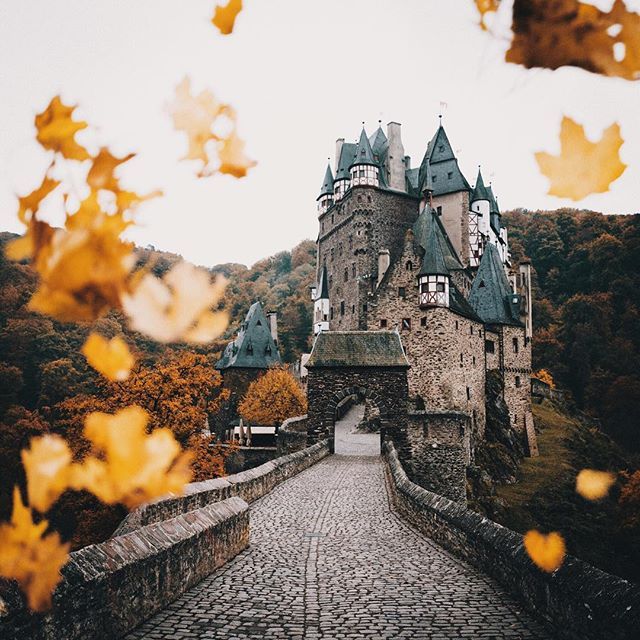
[427, 179]
[480, 192]
[327, 183]
[364, 153]
[433, 262]
[323, 286]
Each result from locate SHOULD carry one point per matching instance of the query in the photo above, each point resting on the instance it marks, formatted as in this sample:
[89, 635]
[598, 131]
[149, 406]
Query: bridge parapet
[578, 600]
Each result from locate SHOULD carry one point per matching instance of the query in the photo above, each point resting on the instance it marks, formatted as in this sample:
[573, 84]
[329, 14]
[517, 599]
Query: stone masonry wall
[248, 485]
[292, 435]
[109, 588]
[445, 350]
[386, 387]
[439, 452]
[352, 232]
[579, 601]
[517, 374]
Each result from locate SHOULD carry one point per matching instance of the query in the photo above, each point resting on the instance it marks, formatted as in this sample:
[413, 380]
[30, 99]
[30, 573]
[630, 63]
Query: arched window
[409, 265]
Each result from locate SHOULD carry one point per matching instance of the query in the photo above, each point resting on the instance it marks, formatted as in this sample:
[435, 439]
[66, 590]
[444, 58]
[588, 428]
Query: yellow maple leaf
[594, 485]
[57, 128]
[102, 172]
[484, 7]
[30, 558]
[225, 16]
[233, 160]
[583, 167]
[46, 464]
[178, 307]
[111, 358]
[570, 32]
[29, 204]
[546, 551]
[136, 467]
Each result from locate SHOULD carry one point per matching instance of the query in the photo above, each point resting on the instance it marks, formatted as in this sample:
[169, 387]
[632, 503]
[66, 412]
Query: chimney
[407, 163]
[395, 157]
[339, 143]
[272, 319]
[384, 260]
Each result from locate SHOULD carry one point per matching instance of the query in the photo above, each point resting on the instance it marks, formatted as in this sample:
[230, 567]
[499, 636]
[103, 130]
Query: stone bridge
[340, 546]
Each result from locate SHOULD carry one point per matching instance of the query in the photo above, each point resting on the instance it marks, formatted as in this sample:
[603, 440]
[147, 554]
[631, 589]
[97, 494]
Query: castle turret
[363, 169]
[480, 204]
[426, 187]
[342, 180]
[321, 304]
[434, 278]
[325, 199]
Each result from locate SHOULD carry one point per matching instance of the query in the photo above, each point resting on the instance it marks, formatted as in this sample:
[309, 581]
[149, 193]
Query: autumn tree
[272, 398]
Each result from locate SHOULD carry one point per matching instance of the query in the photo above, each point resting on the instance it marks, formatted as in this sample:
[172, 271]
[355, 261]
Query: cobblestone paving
[329, 559]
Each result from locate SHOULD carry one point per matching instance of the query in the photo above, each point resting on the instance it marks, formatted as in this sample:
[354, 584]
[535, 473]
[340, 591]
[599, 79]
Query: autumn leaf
[46, 464]
[225, 16]
[583, 167]
[484, 7]
[111, 358]
[570, 32]
[29, 204]
[546, 551]
[57, 128]
[178, 307]
[29, 557]
[232, 157]
[594, 485]
[101, 174]
[135, 467]
[197, 116]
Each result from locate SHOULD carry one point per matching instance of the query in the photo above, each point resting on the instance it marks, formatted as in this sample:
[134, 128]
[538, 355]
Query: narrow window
[518, 381]
[456, 324]
[471, 327]
[468, 393]
[383, 324]
[402, 293]
[473, 360]
[489, 346]
[353, 308]
[332, 218]
[423, 321]
[439, 210]
[409, 265]
[364, 308]
[332, 313]
[461, 358]
[406, 324]
[515, 345]
[346, 275]
[342, 308]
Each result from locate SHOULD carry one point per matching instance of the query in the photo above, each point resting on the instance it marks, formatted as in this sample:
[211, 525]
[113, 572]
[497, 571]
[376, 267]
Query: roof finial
[440, 117]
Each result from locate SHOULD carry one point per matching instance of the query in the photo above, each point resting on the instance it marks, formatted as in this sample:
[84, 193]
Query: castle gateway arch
[370, 365]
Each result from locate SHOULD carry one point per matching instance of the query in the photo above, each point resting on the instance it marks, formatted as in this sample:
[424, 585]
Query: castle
[420, 251]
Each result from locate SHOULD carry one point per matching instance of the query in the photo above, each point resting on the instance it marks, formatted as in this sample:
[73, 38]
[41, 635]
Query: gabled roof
[379, 145]
[480, 192]
[433, 262]
[421, 231]
[327, 183]
[347, 154]
[491, 293]
[253, 347]
[446, 174]
[412, 180]
[440, 148]
[322, 292]
[357, 349]
[364, 154]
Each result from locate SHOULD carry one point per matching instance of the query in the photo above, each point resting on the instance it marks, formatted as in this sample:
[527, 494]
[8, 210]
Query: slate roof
[491, 293]
[347, 154]
[327, 183]
[494, 211]
[364, 153]
[253, 347]
[357, 349]
[459, 304]
[433, 262]
[323, 287]
[421, 231]
[443, 162]
[379, 145]
[480, 192]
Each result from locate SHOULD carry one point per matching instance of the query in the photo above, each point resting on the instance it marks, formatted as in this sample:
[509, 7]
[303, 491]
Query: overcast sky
[300, 73]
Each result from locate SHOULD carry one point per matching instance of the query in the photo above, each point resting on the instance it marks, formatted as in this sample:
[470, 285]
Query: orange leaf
[57, 128]
[111, 358]
[546, 551]
[31, 202]
[232, 157]
[225, 16]
[484, 7]
[46, 464]
[594, 485]
[583, 167]
[570, 32]
[101, 175]
[29, 558]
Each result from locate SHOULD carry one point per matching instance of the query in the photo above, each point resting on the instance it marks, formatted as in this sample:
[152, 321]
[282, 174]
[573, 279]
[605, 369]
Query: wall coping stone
[108, 589]
[578, 600]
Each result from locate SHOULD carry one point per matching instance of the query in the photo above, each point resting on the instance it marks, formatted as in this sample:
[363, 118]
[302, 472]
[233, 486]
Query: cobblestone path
[329, 559]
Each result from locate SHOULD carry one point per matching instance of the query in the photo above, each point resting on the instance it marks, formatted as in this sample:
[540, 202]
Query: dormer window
[249, 349]
[267, 350]
[440, 148]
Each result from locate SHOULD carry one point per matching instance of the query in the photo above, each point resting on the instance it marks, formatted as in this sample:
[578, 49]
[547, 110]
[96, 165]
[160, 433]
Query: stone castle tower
[420, 251]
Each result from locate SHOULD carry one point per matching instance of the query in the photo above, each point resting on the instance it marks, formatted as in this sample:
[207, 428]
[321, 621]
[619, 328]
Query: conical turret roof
[422, 230]
[364, 153]
[322, 291]
[347, 154]
[491, 292]
[327, 183]
[480, 192]
[433, 262]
